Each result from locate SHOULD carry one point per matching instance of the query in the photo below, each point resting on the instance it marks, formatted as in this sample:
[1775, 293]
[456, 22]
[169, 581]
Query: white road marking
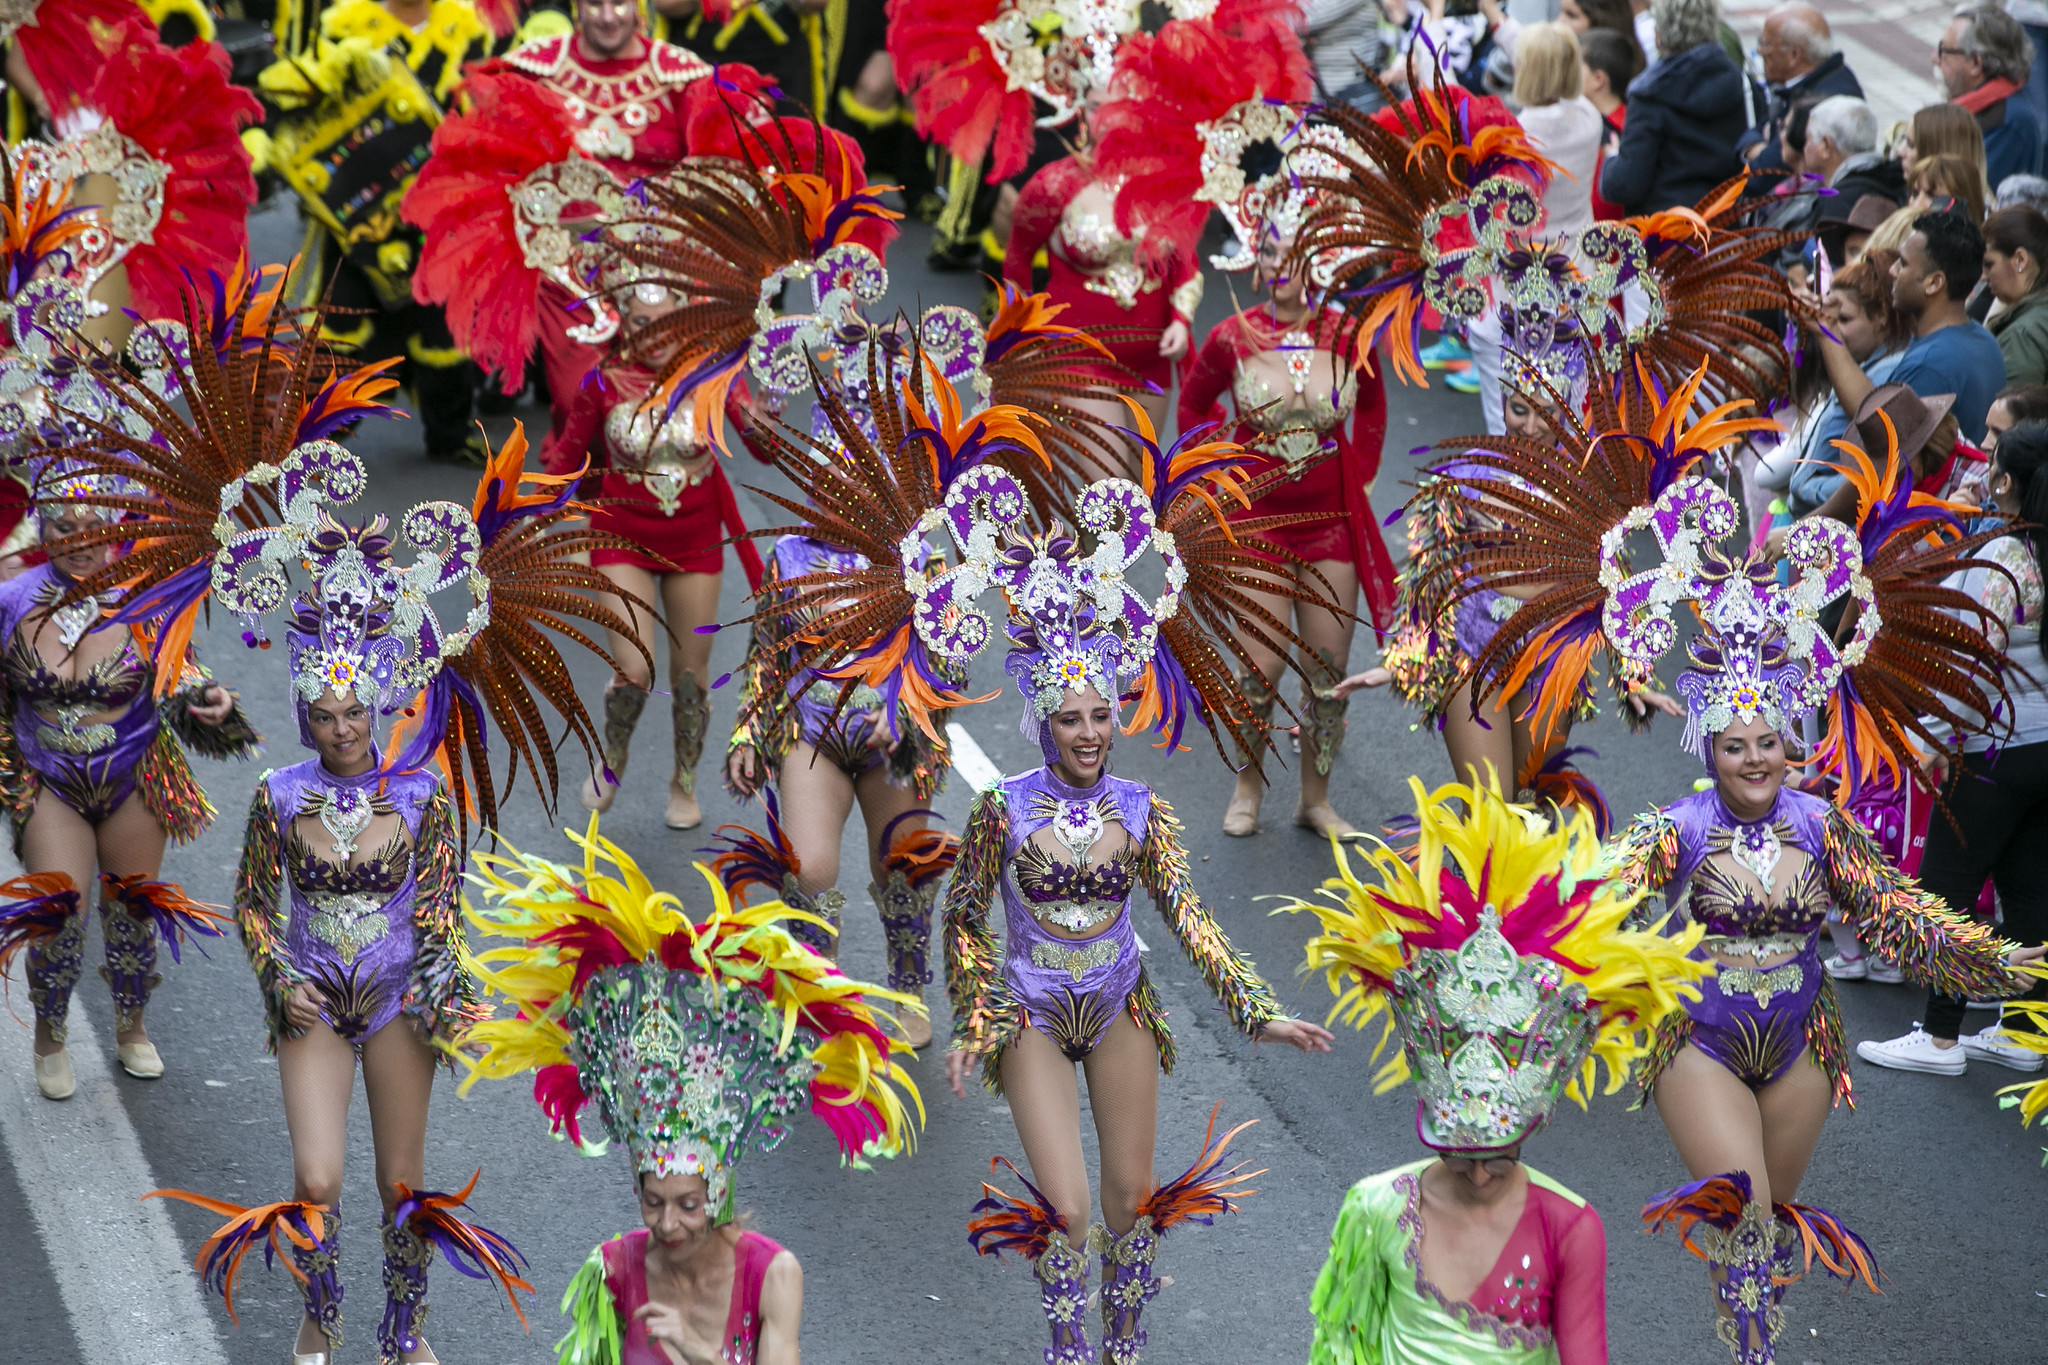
[978, 771]
[973, 765]
[126, 1281]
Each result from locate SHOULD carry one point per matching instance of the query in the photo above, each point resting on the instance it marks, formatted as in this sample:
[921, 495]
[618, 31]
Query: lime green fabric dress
[1544, 1302]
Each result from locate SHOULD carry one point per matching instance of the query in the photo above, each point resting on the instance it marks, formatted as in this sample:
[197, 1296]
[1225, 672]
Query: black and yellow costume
[355, 113]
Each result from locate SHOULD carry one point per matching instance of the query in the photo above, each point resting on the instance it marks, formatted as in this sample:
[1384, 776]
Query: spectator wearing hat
[1858, 314]
[1684, 116]
[1845, 239]
[1931, 446]
[1984, 60]
[1799, 58]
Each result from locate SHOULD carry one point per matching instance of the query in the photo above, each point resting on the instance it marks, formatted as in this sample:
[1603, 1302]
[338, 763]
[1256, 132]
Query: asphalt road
[1945, 1186]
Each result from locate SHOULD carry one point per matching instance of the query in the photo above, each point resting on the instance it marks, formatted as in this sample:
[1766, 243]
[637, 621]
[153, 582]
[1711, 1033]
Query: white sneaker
[1995, 1045]
[1847, 968]
[1882, 972]
[1915, 1052]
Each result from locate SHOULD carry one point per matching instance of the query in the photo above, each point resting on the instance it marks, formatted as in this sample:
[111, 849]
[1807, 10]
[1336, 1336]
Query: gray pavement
[1946, 1187]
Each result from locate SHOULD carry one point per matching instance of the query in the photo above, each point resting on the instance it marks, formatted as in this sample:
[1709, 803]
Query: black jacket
[1684, 116]
[1831, 77]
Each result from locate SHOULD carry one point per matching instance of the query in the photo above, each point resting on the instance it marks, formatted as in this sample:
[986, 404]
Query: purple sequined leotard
[1072, 989]
[46, 743]
[376, 937]
[1758, 1020]
[773, 724]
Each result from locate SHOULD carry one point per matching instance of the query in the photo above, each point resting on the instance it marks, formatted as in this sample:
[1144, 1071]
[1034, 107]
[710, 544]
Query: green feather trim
[587, 1302]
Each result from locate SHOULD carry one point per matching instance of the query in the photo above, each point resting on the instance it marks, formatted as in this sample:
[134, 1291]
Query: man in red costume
[624, 97]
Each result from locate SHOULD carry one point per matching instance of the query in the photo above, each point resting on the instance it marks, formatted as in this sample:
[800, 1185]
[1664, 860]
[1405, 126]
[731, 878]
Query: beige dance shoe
[1241, 817]
[1323, 820]
[140, 1060]
[53, 1075]
[311, 1357]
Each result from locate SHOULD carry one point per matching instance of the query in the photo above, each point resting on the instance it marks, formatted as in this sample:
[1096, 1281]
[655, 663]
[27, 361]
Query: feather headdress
[1192, 106]
[496, 202]
[723, 235]
[1496, 951]
[1413, 207]
[977, 70]
[698, 1037]
[250, 488]
[1931, 660]
[1534, 512]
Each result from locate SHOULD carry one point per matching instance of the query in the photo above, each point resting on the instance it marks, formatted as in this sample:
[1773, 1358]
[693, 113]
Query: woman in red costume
[662, 489]
[1285, 365]
[1137, 294]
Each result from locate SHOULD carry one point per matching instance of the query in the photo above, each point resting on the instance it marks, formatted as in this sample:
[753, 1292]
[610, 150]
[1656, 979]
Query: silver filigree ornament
[1493, 1038]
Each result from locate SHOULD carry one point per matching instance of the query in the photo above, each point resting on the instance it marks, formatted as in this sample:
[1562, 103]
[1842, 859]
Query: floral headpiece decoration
[1496, 952]
[698, 1039]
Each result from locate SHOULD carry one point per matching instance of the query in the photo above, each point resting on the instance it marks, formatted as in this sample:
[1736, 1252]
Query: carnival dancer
[351, 171]
[555, 132]
[1745, 1078]
[783, 202]
[93, 739]
[1286, 366]
[1508, 991]
[665, 501]
[1186, 107]
[96, 753]
[737, 1003]
[348, 892]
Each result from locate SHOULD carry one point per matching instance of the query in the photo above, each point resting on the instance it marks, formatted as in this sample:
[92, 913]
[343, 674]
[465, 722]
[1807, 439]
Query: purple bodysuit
[1072, 989]
[95, 767]
[805, 714]
[1757, 1020]
[377, 938]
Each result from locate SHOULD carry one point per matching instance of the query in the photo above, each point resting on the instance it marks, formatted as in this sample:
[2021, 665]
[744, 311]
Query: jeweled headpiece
[246, 495]
[1496, 952]
[1761, 652]
[1206, 118]
[697, 1039]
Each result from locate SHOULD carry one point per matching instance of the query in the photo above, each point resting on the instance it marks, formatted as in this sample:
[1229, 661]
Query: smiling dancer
[1745, 1078]
[1498, 953]
[697, 1038]
[1079, 842]
[347, 896]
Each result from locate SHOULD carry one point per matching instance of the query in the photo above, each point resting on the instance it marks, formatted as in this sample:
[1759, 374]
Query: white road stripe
[125, 1280]
[979, 772]
[974, 766]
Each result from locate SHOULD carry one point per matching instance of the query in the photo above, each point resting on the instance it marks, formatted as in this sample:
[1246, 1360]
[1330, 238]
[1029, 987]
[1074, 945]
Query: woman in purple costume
[1068, 847]
[93, 773]
[871, 753]
[1745, 1076]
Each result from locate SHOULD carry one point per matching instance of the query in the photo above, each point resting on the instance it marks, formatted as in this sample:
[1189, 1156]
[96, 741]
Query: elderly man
[1983, 62]
[1841, 148]
[1799, 59]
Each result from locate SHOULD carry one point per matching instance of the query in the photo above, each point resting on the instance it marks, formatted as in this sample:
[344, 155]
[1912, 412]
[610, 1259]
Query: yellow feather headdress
[1496, 950]
[697, 1038]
